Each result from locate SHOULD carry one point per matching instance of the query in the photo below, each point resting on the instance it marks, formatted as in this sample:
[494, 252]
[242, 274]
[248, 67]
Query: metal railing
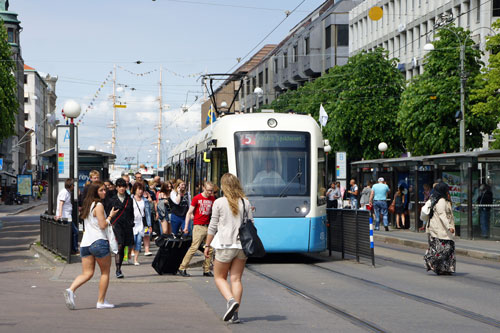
[55, 236]
[351, 232]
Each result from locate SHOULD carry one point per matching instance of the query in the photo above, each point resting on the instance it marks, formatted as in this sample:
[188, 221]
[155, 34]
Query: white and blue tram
[279, 159]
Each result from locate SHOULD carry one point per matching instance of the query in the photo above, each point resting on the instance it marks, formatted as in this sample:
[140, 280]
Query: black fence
[350, 232]
[55, 236]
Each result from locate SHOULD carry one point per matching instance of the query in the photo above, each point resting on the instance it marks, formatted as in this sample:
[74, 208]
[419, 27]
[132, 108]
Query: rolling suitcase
[171, 251]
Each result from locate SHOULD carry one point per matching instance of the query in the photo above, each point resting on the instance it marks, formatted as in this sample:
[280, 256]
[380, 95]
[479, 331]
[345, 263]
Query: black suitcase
[171, 251]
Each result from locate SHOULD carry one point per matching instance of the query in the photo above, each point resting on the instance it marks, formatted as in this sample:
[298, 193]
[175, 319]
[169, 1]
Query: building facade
[13, 150]
[407, 25]
[39, 108]
[317, 43]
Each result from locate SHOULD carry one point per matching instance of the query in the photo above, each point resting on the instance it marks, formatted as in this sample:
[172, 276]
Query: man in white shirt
[65, 210]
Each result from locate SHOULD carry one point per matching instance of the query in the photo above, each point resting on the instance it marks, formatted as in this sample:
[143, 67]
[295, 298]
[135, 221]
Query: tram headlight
[271, 122]
[303, 209]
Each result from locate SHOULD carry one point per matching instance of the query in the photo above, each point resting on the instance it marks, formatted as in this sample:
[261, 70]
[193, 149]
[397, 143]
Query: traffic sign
[120, 106]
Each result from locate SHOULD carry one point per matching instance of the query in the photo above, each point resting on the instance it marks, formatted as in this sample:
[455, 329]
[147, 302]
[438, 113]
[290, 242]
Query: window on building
[295, 53]
[496, 8]
[478, 11]
[285, 60]
[328, 37]
[276, 65]
[306, 46]
[254, 83]
[248, 87]
[26, 99]
[342, 35]
[267, 75]
[10, 35]
[25, 78]
[261, 79]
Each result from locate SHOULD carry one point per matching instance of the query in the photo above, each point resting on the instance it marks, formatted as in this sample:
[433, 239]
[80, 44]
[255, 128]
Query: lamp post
[463, 75]
[72, 110]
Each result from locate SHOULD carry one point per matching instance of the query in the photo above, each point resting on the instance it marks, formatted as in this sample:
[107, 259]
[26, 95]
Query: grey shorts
[227, 255]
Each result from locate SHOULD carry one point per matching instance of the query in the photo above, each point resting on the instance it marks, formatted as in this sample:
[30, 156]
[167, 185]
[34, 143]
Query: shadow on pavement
[291, 258]
[266, 318]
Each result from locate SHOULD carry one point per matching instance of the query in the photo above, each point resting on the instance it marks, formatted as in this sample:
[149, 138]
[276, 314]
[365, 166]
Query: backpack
[425, 213]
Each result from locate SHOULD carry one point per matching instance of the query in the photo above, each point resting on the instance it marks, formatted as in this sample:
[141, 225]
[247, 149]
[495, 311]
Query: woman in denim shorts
[227, 214]
[94, 246]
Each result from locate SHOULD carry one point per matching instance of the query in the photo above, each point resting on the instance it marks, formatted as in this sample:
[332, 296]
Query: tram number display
[272, 140]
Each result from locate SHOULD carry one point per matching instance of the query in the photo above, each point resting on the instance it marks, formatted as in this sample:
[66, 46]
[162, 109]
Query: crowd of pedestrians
[137, 211]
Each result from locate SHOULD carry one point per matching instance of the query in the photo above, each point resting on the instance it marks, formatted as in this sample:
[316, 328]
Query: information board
[341, 165]
[25, 185]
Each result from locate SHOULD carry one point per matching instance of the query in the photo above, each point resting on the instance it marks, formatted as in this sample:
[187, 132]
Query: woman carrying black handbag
[227, 216]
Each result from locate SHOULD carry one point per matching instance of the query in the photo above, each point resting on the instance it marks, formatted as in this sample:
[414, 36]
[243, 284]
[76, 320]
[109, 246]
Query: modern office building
[316, 44]
[407, 25]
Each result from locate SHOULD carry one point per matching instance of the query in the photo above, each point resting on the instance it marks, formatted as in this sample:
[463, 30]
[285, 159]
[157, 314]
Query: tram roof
[227, 121]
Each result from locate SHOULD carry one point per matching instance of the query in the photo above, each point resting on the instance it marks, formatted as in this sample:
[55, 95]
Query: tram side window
[219, 165]
[321, 178]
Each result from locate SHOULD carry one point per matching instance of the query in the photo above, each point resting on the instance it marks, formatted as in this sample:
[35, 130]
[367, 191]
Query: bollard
[372, 245]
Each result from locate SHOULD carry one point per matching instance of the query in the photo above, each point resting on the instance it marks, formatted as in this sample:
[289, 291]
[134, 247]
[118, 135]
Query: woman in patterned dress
[440, 257]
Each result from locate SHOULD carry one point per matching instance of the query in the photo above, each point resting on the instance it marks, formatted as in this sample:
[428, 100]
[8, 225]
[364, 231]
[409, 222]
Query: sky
[82, 41]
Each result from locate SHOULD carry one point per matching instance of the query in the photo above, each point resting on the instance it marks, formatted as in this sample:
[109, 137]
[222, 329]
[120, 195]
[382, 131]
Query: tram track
[450, 308]
[360, 322]
[417, 267]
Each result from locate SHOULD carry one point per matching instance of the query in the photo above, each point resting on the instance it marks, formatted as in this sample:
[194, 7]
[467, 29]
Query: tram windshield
[273, 163]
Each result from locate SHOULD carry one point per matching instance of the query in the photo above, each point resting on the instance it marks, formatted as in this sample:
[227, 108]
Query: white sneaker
[104, 305]
[69, 297]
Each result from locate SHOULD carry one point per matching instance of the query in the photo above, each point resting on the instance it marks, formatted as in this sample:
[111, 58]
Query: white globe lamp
[258, 91]
[382, 147]
[72, 109]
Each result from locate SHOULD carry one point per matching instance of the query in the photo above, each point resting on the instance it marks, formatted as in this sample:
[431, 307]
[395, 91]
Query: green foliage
[487, 95]
[431, 100]
[8, 87]
[361, 99]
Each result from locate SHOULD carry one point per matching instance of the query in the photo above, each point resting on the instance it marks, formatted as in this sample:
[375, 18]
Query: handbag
[113, 244]
[144, 220]
[425, 213]
[250, 241]
[392, 207]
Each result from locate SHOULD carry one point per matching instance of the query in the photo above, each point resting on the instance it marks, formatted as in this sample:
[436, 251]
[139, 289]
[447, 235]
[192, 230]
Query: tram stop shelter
[473, 177]
[88, 160]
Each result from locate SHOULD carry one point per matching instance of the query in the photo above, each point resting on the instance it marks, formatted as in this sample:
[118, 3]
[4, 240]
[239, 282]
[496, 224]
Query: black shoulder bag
[250, 241]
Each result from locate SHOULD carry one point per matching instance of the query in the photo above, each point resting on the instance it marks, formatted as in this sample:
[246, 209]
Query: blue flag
[211, 117]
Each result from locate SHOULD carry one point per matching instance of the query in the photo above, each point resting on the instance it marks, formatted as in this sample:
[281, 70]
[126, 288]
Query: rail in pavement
[479, 249]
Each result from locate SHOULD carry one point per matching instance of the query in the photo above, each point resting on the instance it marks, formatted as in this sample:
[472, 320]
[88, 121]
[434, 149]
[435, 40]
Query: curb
[21, 210]
[476, 254]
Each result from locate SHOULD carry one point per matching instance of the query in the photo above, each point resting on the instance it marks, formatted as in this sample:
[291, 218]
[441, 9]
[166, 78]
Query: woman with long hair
[179, 205]
[163, 208]
[399, 201]
[94, 246]
[227, 215]
[440, 257]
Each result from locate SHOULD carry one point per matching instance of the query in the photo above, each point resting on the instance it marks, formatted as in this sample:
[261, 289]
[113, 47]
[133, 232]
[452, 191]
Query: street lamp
[382, 147]
[463, 75]
[72, 110]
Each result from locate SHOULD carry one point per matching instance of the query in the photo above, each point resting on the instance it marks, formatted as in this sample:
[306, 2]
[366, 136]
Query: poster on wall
[458, 194]
[25, 185]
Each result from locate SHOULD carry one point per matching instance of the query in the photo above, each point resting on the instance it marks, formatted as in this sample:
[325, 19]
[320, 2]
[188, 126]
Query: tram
[279, 159]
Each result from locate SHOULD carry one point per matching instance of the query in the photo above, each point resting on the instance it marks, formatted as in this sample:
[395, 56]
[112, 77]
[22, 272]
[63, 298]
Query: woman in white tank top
[94, 246]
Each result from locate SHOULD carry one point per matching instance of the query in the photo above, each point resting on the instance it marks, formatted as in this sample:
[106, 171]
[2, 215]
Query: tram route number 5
[248, 140]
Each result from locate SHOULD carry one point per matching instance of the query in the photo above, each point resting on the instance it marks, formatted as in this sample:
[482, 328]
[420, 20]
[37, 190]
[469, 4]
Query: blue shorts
[137, 242]
[98, 249]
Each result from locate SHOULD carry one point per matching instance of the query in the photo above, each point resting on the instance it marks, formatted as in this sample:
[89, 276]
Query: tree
[429, 105]
[487, 96]
[8, 87]
[363, 113]
[361, 99]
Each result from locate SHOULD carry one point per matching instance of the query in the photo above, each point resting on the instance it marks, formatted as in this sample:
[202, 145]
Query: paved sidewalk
[480, 249]
[32, 281]
[8, 210]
